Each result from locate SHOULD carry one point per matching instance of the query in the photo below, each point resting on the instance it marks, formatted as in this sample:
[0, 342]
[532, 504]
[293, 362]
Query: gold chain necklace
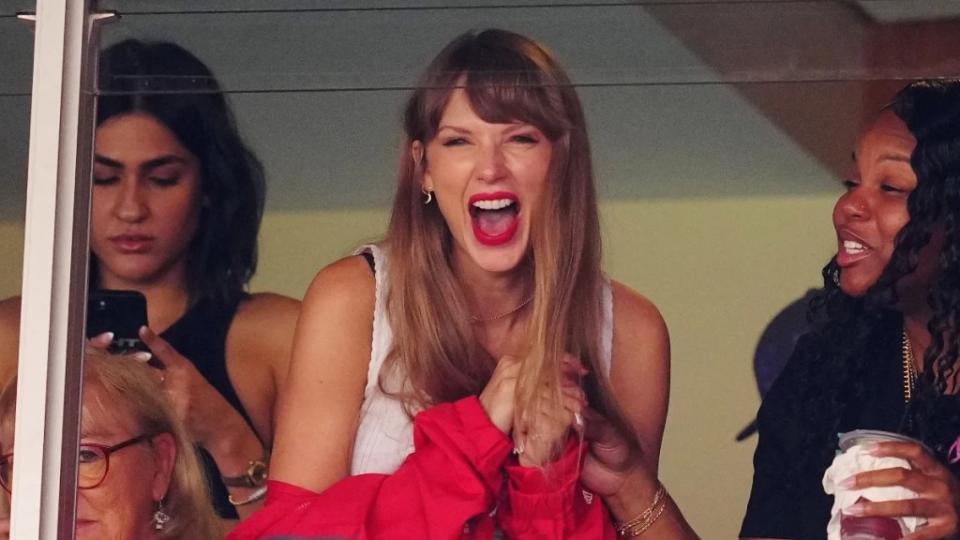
[474, 319]
[909, 366]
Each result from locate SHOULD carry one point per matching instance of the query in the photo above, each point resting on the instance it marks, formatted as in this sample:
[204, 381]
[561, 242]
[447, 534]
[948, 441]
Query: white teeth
[493, 204]
[853, 247]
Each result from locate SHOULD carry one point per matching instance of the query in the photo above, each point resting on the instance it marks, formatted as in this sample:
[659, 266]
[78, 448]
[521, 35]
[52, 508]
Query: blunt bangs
[507, 79]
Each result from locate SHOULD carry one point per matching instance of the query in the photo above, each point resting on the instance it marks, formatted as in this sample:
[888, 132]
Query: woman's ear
[418, 154]
[164, 455]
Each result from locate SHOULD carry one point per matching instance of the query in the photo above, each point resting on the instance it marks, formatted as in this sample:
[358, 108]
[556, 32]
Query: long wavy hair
[173, 86]
[113, 383]
[852, 338]
[507, 78]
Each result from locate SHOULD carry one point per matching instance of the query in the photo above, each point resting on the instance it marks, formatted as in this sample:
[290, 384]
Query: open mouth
[851, 250]
[495, 217]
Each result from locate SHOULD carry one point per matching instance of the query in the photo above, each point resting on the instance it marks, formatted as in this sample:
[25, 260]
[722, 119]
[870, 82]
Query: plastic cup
[870, 528]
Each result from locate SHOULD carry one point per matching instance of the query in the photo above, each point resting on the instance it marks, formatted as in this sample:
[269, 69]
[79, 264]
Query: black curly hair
[858, 329]
[172, 85]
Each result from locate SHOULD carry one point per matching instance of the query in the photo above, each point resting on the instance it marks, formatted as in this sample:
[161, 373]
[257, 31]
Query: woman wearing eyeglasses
[137, 472]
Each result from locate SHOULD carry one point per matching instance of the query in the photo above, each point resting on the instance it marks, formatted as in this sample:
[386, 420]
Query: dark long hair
[850, 341]
[173, 86]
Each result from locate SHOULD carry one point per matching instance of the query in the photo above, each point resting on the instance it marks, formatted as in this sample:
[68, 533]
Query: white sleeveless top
[385, 432]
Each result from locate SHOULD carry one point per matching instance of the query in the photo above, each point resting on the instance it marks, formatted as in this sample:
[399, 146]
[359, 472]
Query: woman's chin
[497, 260]
[854, 289]
[87, 530]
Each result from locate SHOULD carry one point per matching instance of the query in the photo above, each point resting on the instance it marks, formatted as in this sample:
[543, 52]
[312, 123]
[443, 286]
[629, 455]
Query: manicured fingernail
[141, 356]
[848, 482]
[855, 510]
[106, 336]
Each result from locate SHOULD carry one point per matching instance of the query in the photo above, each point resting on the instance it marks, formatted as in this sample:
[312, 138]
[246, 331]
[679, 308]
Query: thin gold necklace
[909, 366]
[474, 319]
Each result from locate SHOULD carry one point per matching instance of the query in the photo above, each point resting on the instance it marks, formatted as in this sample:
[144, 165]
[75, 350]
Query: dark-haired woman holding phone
[176, 207]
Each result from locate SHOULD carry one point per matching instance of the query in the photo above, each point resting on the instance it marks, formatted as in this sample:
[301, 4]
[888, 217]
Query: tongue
[495, 222]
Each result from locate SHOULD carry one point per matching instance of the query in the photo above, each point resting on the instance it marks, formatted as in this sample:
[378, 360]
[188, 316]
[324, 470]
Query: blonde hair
[507, 78]
[112, 383]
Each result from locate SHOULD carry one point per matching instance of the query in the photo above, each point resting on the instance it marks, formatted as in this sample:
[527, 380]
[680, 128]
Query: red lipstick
[502, 234]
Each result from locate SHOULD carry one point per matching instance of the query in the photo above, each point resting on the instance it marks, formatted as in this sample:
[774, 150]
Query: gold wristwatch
[254, 476]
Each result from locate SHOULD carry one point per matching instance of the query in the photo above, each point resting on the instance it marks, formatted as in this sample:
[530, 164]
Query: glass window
[16, 40]
[718, 132]
[16, 37]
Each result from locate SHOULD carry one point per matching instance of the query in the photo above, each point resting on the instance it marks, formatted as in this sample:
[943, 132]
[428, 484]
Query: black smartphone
[120, 312]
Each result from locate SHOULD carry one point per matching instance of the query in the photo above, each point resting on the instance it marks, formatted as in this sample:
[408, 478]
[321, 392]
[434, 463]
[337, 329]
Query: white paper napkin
[856, 460]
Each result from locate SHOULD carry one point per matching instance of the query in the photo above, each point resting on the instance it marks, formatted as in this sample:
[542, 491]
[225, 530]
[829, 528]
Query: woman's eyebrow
[104, 160]
[453, 128]
[161, 161]
[896, 157]
[892, 157]
[93, 434]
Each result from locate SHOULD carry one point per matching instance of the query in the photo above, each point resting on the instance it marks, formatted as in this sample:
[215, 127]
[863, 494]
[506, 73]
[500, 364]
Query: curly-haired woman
[887, 359]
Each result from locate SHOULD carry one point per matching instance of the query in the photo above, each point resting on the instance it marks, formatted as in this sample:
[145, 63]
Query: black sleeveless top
[200, 335]
[789, 503]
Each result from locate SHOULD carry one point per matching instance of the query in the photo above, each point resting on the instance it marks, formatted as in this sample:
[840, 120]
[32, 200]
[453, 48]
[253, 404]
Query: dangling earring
[160, 518]
[428, 193]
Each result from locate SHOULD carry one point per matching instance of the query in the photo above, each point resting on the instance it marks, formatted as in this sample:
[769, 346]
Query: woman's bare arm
[319, 404]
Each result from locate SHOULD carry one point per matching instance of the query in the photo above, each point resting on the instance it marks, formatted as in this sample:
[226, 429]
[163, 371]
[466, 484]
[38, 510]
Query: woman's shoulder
[10, 313]
[641, 343]
[636, 313]
[266, 312]
[344, 283]
[9, 337]
[261, 332]
[265, 306]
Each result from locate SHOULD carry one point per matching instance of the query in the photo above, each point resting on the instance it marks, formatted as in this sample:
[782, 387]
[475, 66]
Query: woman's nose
[490, 163]
[130, 204]
[855, 205]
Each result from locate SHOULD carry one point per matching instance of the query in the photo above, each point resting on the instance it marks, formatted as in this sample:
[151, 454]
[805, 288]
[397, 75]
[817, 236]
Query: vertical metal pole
[54, 273]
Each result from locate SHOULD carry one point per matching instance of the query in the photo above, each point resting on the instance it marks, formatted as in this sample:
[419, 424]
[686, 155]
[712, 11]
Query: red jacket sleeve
[452, 479]
[550, 503]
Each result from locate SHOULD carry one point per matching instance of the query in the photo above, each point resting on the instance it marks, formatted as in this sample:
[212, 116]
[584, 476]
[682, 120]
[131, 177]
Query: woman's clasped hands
[537, 438]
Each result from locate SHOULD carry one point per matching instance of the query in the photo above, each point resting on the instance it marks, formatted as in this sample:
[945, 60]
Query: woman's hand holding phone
[212, 422]
[210, 419]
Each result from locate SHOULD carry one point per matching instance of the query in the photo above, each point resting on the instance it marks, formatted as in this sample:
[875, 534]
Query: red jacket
[459, 483]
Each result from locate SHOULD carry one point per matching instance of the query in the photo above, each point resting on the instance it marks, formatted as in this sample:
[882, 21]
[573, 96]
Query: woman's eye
[104, 180]
[87, 455]
[165, 181]
[889, 188]
[850, 184]
[526, 138]
[454, 141]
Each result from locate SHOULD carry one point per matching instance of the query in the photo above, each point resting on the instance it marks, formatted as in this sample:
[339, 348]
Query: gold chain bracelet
[636, 526]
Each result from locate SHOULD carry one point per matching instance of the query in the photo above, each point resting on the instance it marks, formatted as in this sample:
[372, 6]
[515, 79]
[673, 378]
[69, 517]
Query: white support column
[54, 275]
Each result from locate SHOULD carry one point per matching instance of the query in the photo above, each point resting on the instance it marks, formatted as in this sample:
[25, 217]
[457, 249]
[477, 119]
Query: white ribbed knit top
[385, 432]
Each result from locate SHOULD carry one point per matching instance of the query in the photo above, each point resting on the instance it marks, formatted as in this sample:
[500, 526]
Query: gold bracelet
[636, 526]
